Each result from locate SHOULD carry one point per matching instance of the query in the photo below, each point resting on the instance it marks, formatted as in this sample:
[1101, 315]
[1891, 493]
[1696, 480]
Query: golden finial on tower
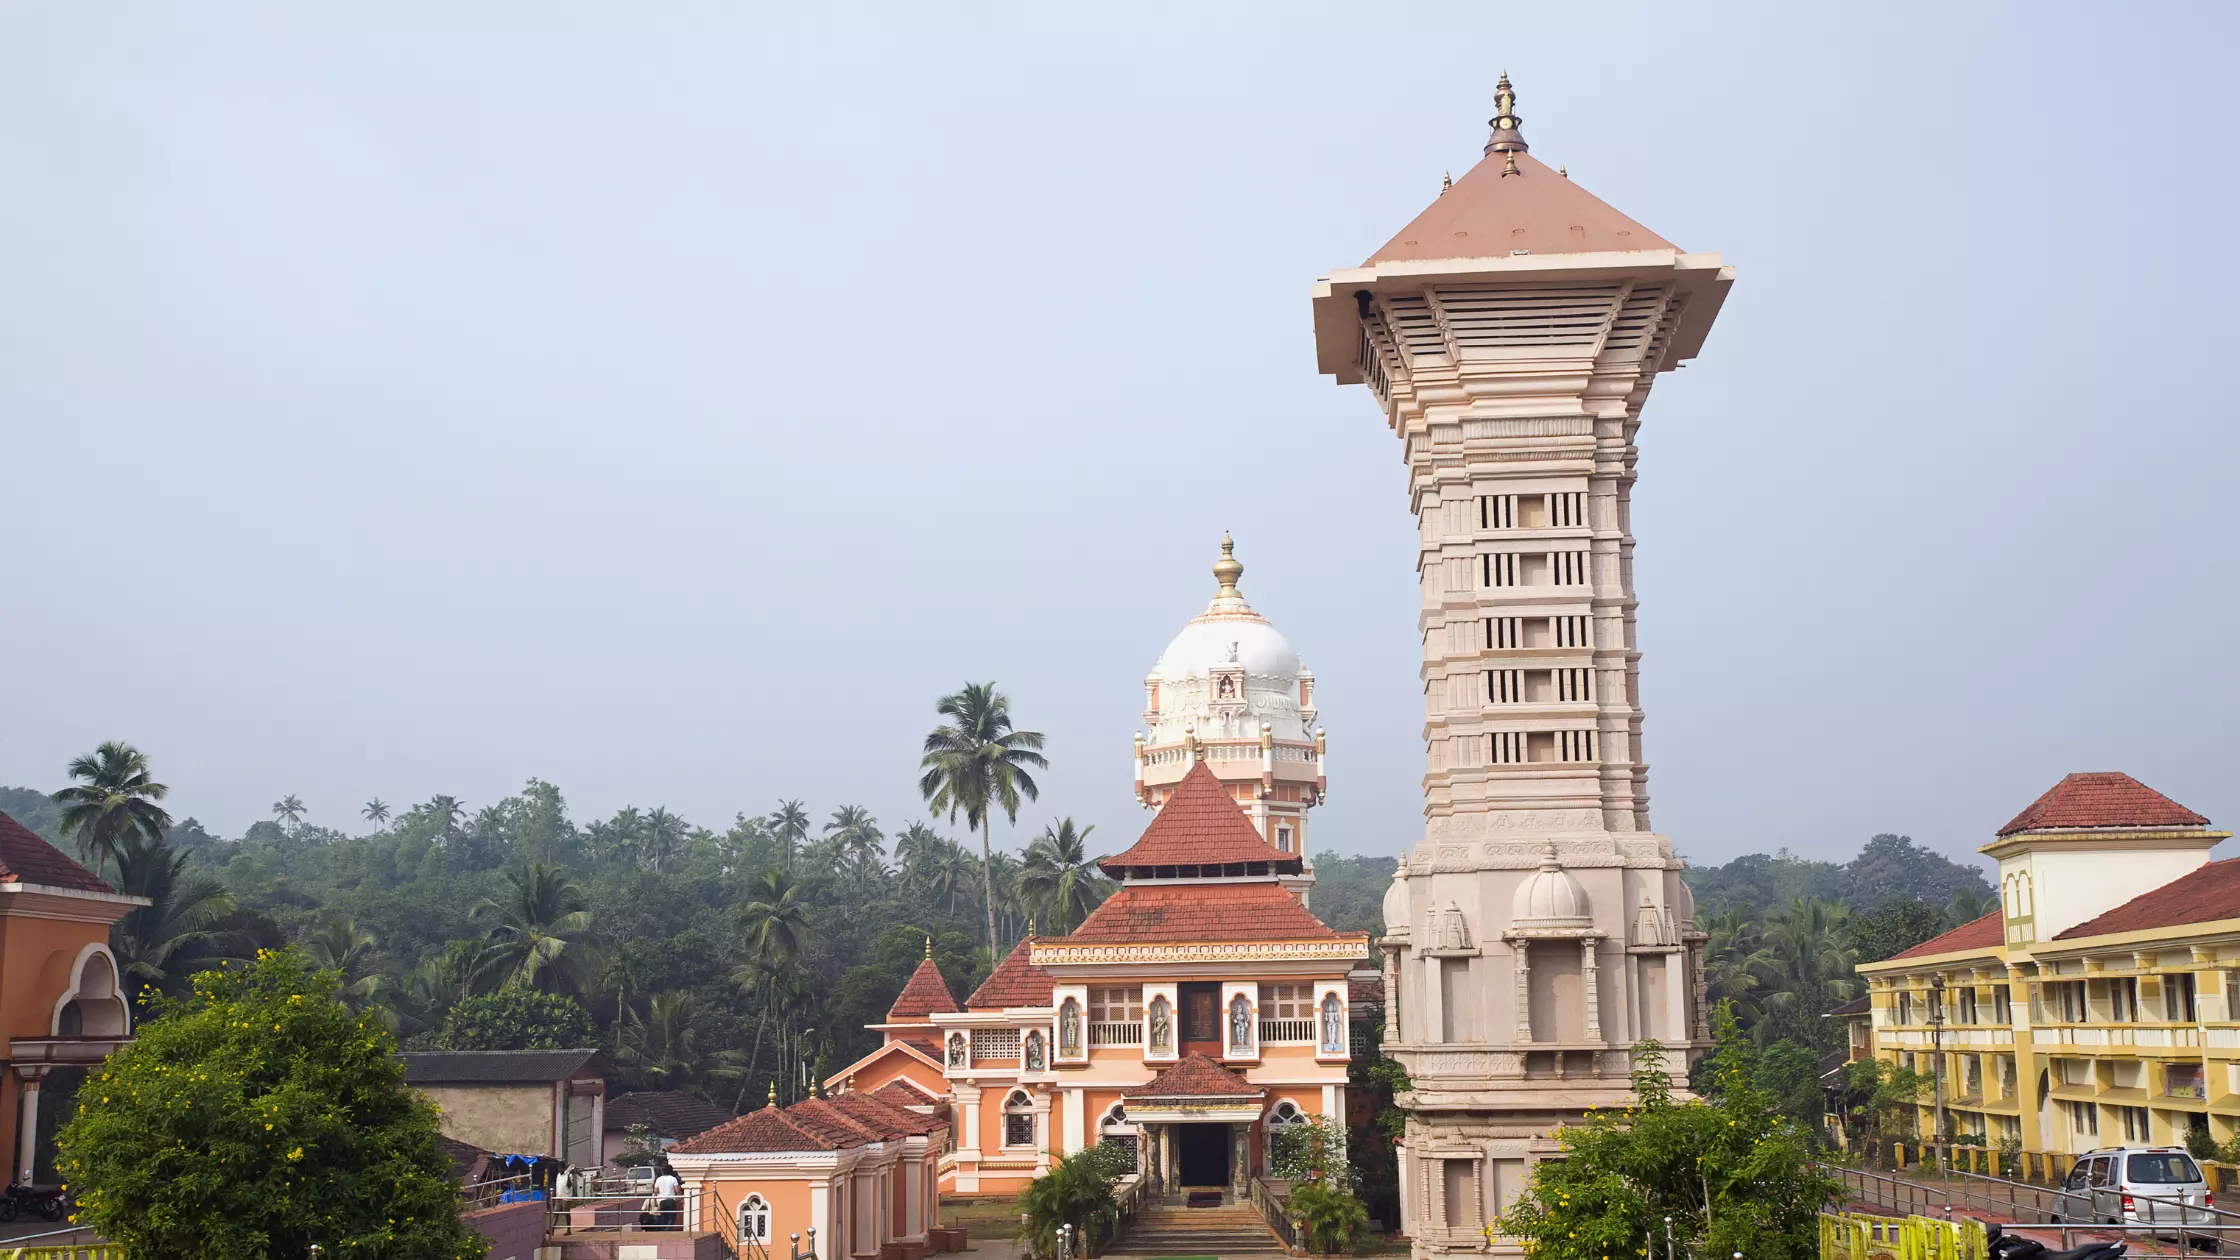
[1226, 570]
[773, 1093]
[1564, 171]
[929, 946]
[1506, 123]
[1446, 181]
[851, 1086]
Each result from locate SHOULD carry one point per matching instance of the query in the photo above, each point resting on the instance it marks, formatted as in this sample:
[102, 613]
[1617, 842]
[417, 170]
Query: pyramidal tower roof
[1512, 202]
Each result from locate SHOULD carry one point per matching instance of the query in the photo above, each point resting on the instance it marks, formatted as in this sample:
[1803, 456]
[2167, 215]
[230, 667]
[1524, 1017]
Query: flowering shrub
[255, 1117]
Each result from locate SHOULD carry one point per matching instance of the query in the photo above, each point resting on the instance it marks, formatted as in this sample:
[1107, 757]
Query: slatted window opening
[1486, 321]
[1504, 686]
[1636, 321]
[1567, 510]
[1497, 511]
[1574, 684]
[1498, 568]
[1504, 632]
[1413, 325]
[1575, 745]
[1569, 568]
[1506, 748]
[1572, 632]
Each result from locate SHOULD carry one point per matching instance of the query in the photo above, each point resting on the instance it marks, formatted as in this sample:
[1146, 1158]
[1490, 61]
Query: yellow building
[2100, 1005]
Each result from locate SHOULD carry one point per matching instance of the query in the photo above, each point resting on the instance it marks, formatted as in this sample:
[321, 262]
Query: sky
[671, 402]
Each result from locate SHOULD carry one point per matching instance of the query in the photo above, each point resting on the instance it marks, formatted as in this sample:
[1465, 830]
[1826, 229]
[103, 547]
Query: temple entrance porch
[1202, 1156]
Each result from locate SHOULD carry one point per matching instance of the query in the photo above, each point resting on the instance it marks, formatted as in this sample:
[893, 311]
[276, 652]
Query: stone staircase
[1233, 1229]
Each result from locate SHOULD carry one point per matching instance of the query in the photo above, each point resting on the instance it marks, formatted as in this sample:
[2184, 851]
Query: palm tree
[541, 927]
[663, 832]
[950, 872]
[861, 845]
[662, 1047]
[114, 801]
[777, 920]
[790, 823]
[349, 950]
[1967, 906]
[186, 925]
[1059, 882]
[976, 763]
[916, 848]
[288, 809]
[376, 811]
[1732, 958]
[446, 811]
[1808, 958]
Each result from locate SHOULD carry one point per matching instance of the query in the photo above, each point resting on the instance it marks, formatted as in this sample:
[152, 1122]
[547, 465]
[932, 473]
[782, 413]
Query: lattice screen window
[1498, 568]
[1115, 1005]
[1572, 631]
[1574, 684]
[1506, 748]
[1497, 511]
[995, 1043]
[1570, 568]
[1286, 1001]
[1504, 632]
[1575, 745]
[1504, 686]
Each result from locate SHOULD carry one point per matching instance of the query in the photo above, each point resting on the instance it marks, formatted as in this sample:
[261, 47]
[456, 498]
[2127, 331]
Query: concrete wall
[505, 1119]
[515, 1230]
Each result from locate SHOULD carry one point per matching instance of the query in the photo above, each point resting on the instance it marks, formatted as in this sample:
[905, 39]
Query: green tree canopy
[517, 1019]
[256, 1117]
[1734, 1174]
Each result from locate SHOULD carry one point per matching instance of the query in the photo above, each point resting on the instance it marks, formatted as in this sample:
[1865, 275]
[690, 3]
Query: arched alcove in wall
[94, 1005]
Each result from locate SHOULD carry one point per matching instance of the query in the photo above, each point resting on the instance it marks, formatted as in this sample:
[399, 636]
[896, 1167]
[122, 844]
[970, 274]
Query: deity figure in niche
[956, 1051]
[1069, 1029]
[1228, 687]
[1162, 1024]
[1333, 1025]
[1034, 1052]
[1240, 1023]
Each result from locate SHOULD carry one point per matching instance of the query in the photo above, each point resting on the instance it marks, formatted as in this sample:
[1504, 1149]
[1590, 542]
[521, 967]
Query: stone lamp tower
[1511, 334]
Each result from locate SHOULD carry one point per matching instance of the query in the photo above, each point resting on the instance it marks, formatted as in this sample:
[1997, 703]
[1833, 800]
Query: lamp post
[1936, 1052]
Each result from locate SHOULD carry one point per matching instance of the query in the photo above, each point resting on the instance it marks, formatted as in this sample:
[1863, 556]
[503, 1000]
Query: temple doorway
[1202, 1154]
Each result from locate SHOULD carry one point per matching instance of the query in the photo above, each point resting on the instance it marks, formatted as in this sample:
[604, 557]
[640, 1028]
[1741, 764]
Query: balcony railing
[1276, 1032]
[1121, 1034]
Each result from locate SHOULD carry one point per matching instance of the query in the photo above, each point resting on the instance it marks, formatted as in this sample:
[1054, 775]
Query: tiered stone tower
[1511, 334]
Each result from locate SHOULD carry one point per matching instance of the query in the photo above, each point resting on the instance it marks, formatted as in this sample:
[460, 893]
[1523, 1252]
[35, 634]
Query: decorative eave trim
[2222, 931]
[2103, 838]
[1344, 948]
[1936, 962]
[75, 905]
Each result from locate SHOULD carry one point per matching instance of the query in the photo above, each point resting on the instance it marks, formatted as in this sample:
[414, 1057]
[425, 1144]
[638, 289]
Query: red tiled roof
[1988, 932]
[1489, 215]
[2204, 894]
[766, 1130]
[1202, 912]
[2104, 799]
[26, 856]
[904, 1092]
[1199, 826]
[890, 1120]
[1196, 1076]
[926, 993]
[821, 1117]
[1014, 982]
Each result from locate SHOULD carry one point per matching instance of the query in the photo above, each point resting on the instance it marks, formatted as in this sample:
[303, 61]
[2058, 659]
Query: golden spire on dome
[773, 1093]
[1506, 138]
[929, 945]
[1227, 570]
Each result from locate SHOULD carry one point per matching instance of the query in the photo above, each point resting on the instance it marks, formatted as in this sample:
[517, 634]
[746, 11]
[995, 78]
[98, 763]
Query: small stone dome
[1396, 901]
[1551, 898]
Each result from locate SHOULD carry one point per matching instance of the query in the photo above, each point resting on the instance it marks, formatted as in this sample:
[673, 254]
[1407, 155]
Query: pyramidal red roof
[892, 1121]
[1199, 826]
[769, 1129]
[1196, 1076]
[2205, 894]
[1262, 911]
[26, 857]
[2102, 799]
[1988, 932]
[927, 993]
[1488, 214]
[1014, 982]
[904, 1092]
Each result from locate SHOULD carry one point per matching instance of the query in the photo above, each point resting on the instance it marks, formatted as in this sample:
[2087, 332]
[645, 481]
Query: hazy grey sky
[672, 400]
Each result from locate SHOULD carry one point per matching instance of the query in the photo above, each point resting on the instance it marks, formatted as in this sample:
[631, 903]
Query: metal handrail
[1912, 1198]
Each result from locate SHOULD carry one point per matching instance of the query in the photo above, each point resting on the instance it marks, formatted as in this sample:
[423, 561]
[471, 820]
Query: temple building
[1511, 333]
[1202, 1007]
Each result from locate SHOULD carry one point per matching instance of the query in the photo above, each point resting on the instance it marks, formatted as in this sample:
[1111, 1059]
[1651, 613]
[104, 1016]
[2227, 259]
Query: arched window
[1018, 1119]
[1286, 1115]
[1115, 1131]
[754, 1220]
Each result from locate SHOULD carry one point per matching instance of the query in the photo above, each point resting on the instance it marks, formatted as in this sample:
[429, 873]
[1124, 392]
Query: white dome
[1217, 644]
[1549, 897]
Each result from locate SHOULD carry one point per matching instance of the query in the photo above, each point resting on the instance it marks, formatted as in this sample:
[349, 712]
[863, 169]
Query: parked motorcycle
[50, 1203]
[2004, 1246]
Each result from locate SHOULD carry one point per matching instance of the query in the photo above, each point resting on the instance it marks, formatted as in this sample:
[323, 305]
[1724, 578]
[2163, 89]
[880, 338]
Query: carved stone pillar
[1702, 990]
[1391, 995]
[1588, 976]
[1523, 970]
